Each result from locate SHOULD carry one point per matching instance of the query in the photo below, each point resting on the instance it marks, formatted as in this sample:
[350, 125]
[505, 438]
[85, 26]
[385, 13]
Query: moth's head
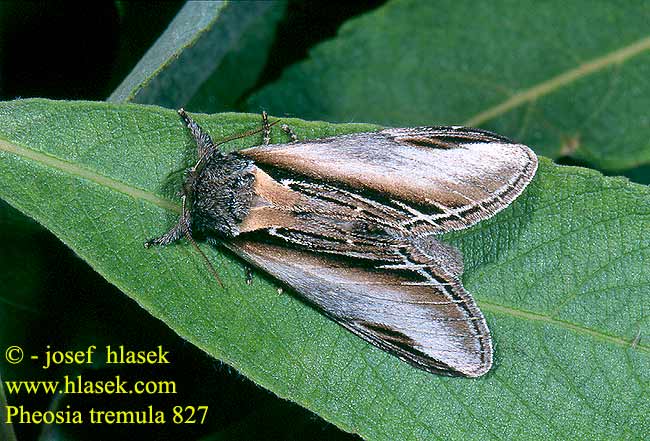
[216, 193]
[183, 226]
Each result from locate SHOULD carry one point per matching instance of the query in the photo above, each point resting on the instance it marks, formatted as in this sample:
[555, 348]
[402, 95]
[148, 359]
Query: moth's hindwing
[412, 309]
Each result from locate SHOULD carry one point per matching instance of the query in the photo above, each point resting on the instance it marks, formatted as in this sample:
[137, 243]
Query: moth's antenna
[190, 239]
[203, 159]
[245, 134]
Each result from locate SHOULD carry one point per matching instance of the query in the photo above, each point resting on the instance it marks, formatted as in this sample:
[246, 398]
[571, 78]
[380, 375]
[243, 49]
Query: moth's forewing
[427, 320]
[442, 178]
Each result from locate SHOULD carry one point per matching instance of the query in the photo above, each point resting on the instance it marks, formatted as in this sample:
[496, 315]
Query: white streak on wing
[408, 265]
[431, 284]
[418, 269]
[419, 216]
[287, 182]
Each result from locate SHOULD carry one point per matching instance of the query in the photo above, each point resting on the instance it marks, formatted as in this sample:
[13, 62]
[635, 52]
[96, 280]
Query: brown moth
[350, 223]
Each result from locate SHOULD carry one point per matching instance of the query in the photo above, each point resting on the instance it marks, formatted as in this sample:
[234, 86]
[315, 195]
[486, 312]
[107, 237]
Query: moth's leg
[204, 143]
[178, 231]
[249, 275]
[266, 128]
[289, 131]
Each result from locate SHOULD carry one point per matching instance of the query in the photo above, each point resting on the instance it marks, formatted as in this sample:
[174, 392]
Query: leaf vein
[544, 88]
[532, 316]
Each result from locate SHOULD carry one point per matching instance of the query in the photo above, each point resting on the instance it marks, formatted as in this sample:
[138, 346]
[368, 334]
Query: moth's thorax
[222, 194]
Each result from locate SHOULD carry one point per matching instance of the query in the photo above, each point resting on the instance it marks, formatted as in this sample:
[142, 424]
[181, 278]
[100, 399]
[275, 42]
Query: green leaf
[568, 78]
[561, 276]
[240, 68]
[206, 41]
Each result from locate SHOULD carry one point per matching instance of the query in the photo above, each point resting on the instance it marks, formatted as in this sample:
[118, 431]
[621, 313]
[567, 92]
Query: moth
[351, 223]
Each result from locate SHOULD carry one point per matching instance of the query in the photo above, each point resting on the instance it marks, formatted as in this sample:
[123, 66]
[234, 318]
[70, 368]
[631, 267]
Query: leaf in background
[240, 68]
[206, 40]
[561, 276]
[639, 174]
[566, 78]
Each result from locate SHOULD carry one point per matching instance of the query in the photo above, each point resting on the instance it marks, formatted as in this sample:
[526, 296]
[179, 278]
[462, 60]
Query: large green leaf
[222, 43]
[568, 78]
[561, 276]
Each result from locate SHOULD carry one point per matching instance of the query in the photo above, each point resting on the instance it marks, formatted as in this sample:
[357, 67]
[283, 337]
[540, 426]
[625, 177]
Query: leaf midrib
[533, 316]
[75, 170]
[139, 194]
[565, 78]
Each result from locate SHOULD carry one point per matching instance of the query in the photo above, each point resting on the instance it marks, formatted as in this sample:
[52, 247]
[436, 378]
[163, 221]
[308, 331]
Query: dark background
[51, 297]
